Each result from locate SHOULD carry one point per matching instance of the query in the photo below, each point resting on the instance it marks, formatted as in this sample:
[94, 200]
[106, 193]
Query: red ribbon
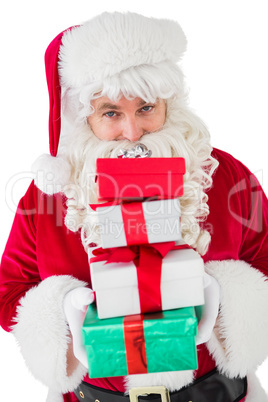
[148, 261]
[122, 202]
[105, 204]
[134, 223]
[134, 337]
[135, 344]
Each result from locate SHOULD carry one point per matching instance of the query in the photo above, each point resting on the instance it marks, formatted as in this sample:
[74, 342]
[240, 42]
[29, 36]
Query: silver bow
[140, 151]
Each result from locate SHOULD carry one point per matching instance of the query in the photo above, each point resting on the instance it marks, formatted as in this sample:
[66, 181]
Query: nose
[131, 129]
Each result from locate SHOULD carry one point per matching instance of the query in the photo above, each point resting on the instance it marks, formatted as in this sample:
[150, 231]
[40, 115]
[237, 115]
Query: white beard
[183, 135]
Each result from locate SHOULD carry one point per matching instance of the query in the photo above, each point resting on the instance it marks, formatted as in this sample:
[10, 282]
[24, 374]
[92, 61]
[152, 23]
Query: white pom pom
[52, 173]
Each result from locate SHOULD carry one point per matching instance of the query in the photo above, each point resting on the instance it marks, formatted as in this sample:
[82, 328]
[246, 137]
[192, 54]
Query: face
[126, 119]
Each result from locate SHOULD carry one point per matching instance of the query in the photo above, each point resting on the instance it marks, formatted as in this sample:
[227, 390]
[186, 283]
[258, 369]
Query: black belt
[212, 387]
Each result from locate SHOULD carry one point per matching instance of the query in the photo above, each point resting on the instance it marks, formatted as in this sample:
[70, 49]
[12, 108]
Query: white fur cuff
[43, 335]
[239, 342]
[255, 391]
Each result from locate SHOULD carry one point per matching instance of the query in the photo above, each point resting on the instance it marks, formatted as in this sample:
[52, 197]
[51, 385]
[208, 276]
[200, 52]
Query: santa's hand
[75, 305]
[210, 309]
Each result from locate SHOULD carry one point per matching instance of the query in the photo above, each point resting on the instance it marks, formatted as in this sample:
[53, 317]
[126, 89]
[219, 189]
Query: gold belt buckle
[134, 393]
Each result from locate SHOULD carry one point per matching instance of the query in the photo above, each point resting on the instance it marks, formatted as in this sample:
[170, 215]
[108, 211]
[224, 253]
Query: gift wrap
[139, 178]
[138, 344]
[123, 288]
[139, 223]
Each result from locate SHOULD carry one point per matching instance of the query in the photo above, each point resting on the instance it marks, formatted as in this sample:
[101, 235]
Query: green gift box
[142, 343]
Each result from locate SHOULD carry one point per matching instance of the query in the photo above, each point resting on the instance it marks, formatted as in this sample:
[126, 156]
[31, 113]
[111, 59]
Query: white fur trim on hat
[113, 42]
[43, 335]
[239, 340]
[51, 173]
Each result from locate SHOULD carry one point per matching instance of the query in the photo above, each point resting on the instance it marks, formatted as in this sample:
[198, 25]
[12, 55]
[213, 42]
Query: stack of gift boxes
[147, 281]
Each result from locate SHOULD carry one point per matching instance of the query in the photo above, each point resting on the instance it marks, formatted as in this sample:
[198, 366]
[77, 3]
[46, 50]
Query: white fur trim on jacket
[239, 342]
[255, 391]
[43, 335]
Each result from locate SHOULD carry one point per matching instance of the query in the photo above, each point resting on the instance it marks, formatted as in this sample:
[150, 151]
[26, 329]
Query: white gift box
[116, 284]
[140, 222]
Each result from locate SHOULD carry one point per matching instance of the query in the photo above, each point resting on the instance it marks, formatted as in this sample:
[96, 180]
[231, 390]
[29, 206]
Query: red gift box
[138, 178]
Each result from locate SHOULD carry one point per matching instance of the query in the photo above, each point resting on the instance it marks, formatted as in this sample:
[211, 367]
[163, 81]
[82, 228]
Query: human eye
[109, 114]
[147, 108]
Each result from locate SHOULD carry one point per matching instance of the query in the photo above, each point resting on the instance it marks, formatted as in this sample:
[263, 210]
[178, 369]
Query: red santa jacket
[41, 247]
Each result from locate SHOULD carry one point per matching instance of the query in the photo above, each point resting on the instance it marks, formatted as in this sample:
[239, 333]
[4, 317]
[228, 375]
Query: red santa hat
[47, 166]
[54, 91]
[100, 49]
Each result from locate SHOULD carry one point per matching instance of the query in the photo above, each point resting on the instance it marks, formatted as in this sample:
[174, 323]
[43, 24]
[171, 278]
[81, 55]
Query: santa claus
[115, 82]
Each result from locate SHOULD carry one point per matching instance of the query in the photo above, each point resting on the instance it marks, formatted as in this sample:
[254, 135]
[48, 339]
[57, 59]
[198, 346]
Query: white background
[226, 69]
